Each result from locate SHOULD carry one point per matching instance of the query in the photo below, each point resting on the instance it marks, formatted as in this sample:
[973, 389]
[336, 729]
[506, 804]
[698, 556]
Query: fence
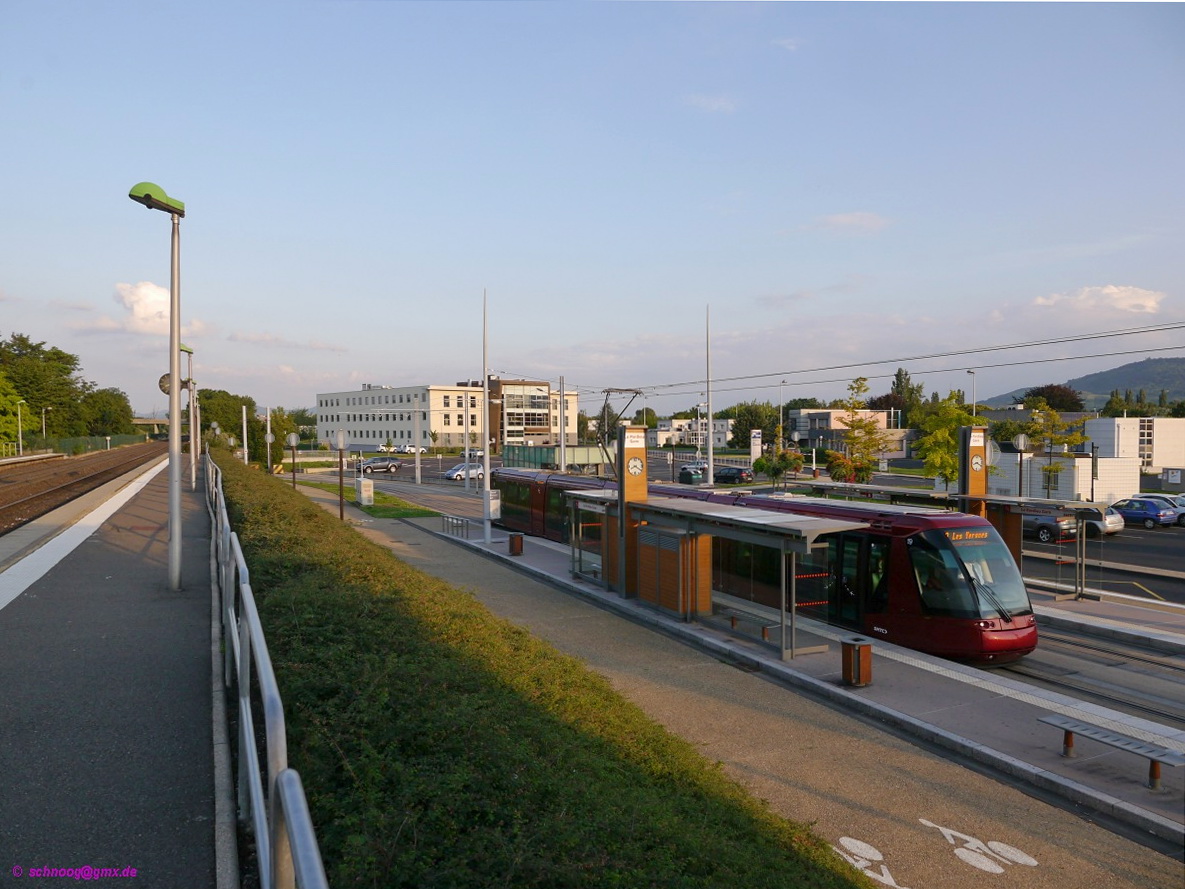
[285, 841]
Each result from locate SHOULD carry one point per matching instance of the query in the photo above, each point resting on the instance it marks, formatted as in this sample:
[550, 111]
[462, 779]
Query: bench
[1155, 754]
[764, 623]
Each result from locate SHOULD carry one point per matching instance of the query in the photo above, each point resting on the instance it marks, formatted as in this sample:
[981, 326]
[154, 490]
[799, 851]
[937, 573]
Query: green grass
[442, 746]
[386, 506]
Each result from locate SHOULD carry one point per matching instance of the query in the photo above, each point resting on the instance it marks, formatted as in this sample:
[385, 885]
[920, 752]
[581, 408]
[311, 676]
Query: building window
[446, 404]
[446, 420]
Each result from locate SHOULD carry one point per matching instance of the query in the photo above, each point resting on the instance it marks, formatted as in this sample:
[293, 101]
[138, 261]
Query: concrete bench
[1155, 754]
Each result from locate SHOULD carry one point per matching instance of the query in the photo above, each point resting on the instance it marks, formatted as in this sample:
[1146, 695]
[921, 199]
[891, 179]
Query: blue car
[1146, 512]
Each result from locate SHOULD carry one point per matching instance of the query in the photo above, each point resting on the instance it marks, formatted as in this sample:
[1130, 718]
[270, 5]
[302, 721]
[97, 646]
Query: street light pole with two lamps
[153, 197]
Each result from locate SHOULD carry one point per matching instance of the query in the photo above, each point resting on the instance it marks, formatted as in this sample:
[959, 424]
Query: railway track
[1121, 677]
[30, 490]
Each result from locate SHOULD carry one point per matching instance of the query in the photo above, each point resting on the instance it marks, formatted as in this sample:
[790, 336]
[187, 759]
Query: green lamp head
[153, 197]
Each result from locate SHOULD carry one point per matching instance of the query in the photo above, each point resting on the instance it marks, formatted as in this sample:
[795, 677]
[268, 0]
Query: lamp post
[781, 419]
[20, 430]
[973, 398]
[194, 426]
[43, 410]
[154, 198]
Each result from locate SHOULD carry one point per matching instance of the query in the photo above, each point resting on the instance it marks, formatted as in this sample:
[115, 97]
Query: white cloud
[270, 339]
[147, 308]
[712, 104]
[1134, 300]
[860, 222]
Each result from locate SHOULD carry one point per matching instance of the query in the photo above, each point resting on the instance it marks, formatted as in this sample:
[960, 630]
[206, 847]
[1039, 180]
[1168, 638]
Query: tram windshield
[968, 572]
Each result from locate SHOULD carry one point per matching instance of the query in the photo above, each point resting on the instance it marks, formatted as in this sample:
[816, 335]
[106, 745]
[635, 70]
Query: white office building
[443, 416]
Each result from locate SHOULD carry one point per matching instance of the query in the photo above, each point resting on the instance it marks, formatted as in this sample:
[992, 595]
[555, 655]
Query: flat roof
[785, 531]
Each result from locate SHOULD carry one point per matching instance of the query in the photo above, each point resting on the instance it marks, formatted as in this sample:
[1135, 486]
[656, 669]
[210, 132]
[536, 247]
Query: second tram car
[935, 581]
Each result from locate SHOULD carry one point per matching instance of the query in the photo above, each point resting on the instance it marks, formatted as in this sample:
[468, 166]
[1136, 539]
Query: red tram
[935, 581]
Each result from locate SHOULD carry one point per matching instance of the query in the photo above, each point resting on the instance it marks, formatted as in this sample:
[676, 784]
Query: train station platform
[106, 747]
[972, 715]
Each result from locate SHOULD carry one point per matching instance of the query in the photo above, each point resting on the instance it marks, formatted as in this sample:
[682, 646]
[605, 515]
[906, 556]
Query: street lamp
[781, 428]
[43, 410]
[973, 399]
[153, 197]
[20, 430]
[194, 424]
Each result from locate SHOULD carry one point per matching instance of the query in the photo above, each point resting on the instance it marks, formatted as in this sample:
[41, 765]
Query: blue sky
[838, 184]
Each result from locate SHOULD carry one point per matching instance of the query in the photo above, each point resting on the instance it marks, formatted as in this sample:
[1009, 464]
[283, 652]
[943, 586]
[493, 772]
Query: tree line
[44, 382]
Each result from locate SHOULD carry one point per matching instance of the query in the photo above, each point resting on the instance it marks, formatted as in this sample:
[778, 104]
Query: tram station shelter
[664, 556]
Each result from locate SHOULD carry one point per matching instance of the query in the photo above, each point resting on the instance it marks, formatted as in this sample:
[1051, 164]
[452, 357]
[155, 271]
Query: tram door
[859, 578]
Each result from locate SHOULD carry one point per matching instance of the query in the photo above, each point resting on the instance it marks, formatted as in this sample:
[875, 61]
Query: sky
[798, 192]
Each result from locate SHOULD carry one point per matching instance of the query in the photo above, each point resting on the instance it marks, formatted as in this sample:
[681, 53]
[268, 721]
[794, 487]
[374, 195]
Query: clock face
[634, 466]
[977, 463]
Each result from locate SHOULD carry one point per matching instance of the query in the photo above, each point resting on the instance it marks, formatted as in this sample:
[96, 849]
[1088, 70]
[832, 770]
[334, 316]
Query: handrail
[286, 842]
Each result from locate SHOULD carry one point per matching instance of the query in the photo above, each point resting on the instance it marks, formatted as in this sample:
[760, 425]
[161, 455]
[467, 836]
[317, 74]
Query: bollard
[516, 544]
[857, 661]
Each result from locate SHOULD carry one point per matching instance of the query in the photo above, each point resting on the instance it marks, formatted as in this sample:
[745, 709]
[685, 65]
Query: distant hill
[1152, 375]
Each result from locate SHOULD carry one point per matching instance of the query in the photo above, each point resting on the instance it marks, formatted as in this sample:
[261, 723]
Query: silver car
[458, 472]
[1110, 523]
[1049, 528]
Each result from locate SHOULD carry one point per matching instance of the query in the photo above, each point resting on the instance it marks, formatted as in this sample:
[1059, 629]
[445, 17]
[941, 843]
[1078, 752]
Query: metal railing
[286, 843]
[456, 526]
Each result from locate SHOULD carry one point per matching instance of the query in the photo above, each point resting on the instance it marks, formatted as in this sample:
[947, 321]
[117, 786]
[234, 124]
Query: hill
[1152, 375]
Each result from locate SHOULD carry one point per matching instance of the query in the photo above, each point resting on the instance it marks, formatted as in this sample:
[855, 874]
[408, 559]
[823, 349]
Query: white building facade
[444, 416]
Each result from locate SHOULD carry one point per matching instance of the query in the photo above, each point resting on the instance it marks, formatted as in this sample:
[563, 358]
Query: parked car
[474, 454]
[1144, 511]
[381, 464]
[409, 449]
[733, 475]
[1049, 528]
[1172, 501]
[698, 466]
[1110, 523]
[392, 449]
[692, 475]
[461, 470]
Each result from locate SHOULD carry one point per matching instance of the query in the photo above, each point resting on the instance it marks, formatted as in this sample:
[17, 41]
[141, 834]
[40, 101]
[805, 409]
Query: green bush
[442, 746]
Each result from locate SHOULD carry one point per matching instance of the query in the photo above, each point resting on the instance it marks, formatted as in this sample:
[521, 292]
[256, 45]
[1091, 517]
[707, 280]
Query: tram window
[943, 588]
[878, 576]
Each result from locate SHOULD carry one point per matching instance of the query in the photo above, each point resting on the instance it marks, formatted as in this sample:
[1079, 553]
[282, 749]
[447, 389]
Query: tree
[938, 444]
[750, 415]
[776, 465]
[910, 394]
[107, 412]
[257, 445]
[221, 407]
[1055, 396]
[866, 441]
[803, 404]
[1052, 433]
[8, 411]
[646, 417]
[46, 377]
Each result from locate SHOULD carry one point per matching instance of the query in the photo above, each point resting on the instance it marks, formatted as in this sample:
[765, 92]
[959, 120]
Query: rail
[286, 843]
[456, 526]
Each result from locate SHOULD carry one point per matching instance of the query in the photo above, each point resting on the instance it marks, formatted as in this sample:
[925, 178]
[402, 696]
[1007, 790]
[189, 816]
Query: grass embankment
[386, 506]
[442, 746]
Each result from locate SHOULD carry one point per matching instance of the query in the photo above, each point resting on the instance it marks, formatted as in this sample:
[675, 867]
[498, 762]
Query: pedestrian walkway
[106, 748]
[981, 716]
